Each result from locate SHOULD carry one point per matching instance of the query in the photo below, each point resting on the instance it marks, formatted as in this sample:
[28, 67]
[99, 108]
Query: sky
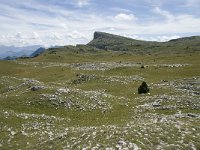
[70, 22]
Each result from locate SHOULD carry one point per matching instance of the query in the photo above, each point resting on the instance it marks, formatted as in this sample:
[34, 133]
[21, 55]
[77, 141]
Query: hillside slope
[37, 52]
[118, 43]
[115, 42]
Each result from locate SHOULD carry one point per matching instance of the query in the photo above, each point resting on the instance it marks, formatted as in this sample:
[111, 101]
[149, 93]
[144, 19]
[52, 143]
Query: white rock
[94, 133]
[24, 133]
[13, 132]
[62, 90]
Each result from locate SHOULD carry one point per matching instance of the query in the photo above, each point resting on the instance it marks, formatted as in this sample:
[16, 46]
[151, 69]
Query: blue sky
[63, 22]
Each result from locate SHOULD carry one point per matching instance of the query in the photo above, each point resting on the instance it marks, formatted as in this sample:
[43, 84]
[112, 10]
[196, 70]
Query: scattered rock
[165, 80]
[83, 78]
[13, 132]
[192, 115]
[156, 104]
[143, 89]
[142, 66]
[36, 88]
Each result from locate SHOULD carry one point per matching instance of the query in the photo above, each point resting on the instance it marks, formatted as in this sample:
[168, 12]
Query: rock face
[97, 35]
[143, 89]
[105, 35]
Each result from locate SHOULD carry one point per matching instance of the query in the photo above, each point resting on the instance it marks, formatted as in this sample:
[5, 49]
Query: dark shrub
[143, 88]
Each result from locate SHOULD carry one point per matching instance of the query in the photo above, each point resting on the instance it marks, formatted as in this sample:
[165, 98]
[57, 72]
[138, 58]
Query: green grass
[122, 111]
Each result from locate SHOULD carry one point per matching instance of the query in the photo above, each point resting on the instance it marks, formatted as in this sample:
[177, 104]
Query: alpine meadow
[86, 96]
[100, 75]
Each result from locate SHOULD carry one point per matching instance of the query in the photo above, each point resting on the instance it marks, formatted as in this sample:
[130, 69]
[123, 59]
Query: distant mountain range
[37, 52]
[12, 52]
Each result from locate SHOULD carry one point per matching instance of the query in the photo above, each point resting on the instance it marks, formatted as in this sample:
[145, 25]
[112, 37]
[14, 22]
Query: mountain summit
[101, 35]
[104, 40]
[109, 41]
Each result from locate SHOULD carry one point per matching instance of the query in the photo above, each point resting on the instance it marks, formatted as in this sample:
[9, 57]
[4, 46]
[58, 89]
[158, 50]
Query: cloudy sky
[63, 22]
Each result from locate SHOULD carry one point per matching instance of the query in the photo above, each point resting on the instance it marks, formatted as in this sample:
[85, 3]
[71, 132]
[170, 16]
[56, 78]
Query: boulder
[36, 88]
[142, 66]
[143, 89]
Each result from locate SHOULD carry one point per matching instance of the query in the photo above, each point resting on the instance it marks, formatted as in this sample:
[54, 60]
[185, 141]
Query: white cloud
[77, 35]
[125, 17]
[19, 35]
[81, 3]
[165, 38]
[35, 35]
[121, 10]
[163, 13]
[159, 38]
[193, 3]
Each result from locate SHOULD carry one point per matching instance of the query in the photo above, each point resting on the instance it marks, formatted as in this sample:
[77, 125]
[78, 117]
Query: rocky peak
[98, 35]
[105, 35]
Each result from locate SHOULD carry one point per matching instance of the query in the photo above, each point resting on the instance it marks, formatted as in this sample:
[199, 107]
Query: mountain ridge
[37, 52]
[109, 41]
[99, 34]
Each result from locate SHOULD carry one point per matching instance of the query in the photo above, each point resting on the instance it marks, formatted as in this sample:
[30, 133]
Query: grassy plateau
[86, 96]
